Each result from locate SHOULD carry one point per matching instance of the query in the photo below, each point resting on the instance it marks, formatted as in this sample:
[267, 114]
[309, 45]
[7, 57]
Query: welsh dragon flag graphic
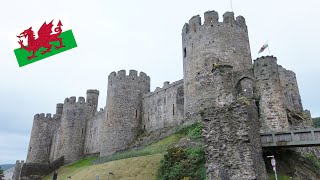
[38, 43]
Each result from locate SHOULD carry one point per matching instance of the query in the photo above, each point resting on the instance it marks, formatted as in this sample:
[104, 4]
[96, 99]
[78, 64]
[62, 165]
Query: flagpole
[231, 5]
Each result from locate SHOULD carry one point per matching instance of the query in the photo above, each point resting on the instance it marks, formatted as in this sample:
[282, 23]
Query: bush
[316, 122]
[179, 163]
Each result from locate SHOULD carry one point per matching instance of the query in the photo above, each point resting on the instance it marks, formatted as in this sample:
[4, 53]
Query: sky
[143, 35]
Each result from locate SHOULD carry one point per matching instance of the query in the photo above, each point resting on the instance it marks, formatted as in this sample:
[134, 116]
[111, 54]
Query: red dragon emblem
[45, 36]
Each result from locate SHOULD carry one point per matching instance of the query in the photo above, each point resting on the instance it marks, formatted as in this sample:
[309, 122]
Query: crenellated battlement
[211, 19]
[101, 111]
[93, 91]
[287, 72]
[72, 100]
[43, 116]
[133, 75]
[263, 58]
[166, 85]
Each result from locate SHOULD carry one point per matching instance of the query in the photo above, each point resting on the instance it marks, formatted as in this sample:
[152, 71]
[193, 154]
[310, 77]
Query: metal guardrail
[304, 137]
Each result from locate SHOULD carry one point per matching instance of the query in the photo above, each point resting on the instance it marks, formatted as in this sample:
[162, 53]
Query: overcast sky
[144, 35]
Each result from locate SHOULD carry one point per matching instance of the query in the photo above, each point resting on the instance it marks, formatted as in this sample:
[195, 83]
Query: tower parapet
[59, 109]
[269, 94]
[92, 99]
[124, 109]
[212, 43]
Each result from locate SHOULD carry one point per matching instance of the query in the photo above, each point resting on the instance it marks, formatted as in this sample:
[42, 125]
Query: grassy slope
[141, 164]
[144, 167]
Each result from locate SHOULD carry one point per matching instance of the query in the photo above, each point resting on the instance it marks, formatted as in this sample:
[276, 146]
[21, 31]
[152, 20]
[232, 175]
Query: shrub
[179, 163]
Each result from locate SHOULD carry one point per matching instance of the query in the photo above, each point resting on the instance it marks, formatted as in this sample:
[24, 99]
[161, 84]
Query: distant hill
[6, 166]
[316, 121]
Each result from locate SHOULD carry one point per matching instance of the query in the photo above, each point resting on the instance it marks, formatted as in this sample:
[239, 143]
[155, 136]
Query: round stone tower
[269, 94]
[123, 111]
[73, 128]
[40, 139]
[210, 44]
[92, 99]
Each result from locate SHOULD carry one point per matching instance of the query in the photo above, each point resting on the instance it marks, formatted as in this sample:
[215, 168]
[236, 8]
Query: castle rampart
[163, 107]
[92, 143]
[269, 94]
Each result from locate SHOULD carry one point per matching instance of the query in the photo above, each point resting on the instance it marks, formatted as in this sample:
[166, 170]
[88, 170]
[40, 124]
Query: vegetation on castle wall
[179, 163]
[316, 122]
[192, 131]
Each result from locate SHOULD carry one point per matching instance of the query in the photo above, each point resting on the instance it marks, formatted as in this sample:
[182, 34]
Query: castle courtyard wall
[163, 107]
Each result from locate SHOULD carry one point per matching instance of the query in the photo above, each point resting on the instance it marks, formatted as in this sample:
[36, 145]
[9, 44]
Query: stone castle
[217, 72]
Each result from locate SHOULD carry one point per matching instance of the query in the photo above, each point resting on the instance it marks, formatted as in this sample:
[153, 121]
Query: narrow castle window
[81, 131]
[172, 109]
[47, 150]
[136, 113]
[184, 52]
[30, 149]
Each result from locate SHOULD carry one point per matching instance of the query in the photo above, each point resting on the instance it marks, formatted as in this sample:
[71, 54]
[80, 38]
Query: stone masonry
[232, 148]
[236, 98]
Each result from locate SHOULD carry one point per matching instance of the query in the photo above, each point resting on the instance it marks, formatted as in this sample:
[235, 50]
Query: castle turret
[59, 109]
[123, 111]
[209, 44]
[92, 99]
[73, 128]
[290, 89]
[269, 94]
[40, 139]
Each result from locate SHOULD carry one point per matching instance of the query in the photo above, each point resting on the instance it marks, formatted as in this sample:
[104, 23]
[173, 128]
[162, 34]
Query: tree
[1, 172]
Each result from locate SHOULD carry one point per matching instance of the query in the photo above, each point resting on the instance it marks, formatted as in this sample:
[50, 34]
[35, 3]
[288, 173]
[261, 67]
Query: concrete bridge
[304, 137]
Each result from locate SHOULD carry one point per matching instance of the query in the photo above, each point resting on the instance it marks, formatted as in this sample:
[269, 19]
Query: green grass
[280, 177]
[192, 131]
[82, 162]
[142, 168]
[126, 164]
[156, 148]
[315, 161]
[67, 40]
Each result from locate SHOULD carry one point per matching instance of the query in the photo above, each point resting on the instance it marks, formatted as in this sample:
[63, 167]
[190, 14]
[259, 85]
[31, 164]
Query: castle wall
[163, 107]
[17, 170]
[41, 138]
[123, 111]
[55, 140]
[269, 94]
[92, 143]
[292, 99]
[232, 143]
[208, 44]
